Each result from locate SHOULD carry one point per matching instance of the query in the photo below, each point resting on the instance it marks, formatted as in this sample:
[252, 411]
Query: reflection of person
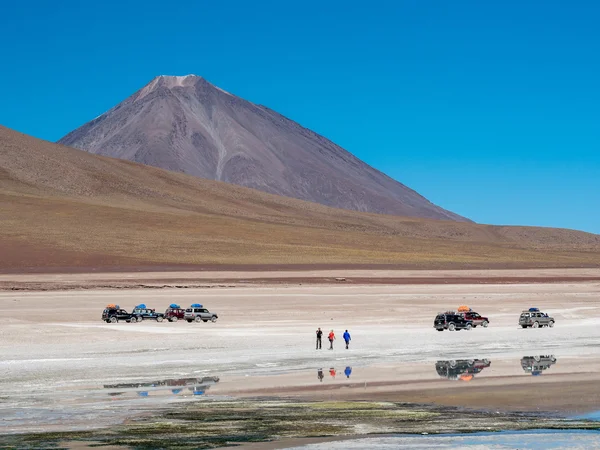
[319, 334]
[347, 338]
[332, 372]
[320, 375]
[331, 339]
[348, 371]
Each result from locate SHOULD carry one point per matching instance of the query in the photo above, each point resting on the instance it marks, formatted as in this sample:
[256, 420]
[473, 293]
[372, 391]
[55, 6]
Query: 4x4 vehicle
[113, 313]
[141, 312]
[174, 312]
[534, 318]
[536, 364]
[476, 319]
[461, 369]
[197, 312]
[451, 321]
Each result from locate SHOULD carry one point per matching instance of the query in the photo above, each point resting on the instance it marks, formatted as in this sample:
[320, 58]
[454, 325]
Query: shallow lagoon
[534, 439]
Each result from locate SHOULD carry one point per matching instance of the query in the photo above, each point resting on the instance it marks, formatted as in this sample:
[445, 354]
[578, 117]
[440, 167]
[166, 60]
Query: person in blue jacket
[348, 371]
[347, 338]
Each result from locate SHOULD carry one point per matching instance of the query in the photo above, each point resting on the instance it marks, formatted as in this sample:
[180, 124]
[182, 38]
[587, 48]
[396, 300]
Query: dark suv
[174, 313]
[142, 312]
[114, 314]
[451, 321]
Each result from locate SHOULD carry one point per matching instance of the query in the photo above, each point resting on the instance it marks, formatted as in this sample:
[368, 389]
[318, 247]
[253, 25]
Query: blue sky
[489, 109]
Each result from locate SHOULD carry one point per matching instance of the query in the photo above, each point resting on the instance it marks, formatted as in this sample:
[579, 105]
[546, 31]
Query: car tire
[113, 320]
[173, 319]
[451, 327]
[468, 327]
[535, 325]
[485, 324]
[198, 319]
[452, 364]
[159, 318]
[213, 319]
[551, 324]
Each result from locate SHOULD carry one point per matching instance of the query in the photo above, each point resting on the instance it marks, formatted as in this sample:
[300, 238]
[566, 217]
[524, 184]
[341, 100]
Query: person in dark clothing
[319, 336]
[320, 375]
[347, 338]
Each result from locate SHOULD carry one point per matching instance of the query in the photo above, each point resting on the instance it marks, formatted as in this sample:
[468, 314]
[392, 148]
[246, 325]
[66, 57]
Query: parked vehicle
[198, 313]
[476, 318]
[174, 313]
[461, 369]
[451, 321]
[113, 313]
[537, 364]
[142, 312]
[534, 318]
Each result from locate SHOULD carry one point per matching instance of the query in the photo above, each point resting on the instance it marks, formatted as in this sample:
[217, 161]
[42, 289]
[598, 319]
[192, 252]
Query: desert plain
[57, 356]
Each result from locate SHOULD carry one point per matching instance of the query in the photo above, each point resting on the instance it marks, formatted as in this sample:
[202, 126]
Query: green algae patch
[211, 424]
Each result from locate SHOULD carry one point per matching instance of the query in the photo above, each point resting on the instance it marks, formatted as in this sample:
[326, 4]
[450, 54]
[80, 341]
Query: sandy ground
[254, 275]
[56, 355]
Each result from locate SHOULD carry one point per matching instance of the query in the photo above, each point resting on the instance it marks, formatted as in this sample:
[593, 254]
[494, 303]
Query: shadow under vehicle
[461, 369]
[537, 364]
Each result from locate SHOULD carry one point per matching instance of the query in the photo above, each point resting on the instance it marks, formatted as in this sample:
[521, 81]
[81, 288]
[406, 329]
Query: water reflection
[461, 369]
[197, 386]
[333, 372]
[537, 364]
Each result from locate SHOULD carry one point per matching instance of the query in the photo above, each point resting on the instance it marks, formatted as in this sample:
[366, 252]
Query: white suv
[197, 312]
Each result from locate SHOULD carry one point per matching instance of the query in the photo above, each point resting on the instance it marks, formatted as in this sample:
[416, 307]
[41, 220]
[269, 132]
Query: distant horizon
[487, 111]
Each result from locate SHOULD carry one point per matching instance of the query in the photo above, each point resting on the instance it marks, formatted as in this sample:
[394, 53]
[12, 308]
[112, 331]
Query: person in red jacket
[331, 338]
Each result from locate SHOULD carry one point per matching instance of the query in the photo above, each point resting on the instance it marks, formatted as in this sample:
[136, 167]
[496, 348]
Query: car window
[197, 310]
[188, 310]
[204, 310]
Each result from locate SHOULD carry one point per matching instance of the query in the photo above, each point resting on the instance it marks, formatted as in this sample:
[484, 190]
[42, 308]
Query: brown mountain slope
[62, 207]
[185, 124]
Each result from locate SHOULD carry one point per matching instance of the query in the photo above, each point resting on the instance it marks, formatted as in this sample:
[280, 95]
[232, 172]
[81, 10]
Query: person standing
[348, 371]
[320, 375]
[319, 335]
[347, 338]
[331, 339]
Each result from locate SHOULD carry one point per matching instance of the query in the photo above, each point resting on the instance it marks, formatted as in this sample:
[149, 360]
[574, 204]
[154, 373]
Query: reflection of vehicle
[196, 385]
[113, 313]
[451, 321]
[197, 312]
[536, 364]
[141, 312]
[174, 313]
[461, 369]
[534, 318]
[476, 319]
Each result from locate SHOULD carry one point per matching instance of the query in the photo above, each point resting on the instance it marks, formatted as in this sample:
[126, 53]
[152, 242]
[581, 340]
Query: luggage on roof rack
[174, 305]
[141, 306]
[112, 306]
[464, 308]
[534, 309]
[196, 305]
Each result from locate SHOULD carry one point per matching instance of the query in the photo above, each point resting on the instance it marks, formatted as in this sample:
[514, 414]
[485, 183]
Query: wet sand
[57, 355]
